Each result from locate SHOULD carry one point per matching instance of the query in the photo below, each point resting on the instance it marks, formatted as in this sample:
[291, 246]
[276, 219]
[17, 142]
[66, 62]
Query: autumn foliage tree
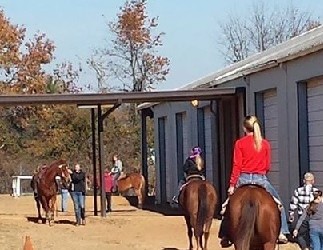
[131, 61]
[131, 57]
[34, 134]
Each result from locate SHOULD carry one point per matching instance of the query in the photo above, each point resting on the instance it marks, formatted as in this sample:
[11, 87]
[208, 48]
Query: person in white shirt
[116, 170]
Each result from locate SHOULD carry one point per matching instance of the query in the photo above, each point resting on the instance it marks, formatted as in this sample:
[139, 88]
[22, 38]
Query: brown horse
[47, 188]
[135, 181]
[198, 199]
[254, 218]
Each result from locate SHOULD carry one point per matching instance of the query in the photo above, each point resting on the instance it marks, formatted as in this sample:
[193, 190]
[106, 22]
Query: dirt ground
[125, 228]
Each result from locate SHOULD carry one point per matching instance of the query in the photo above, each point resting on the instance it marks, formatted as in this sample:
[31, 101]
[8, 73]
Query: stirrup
[279, 204]
[282, 239]
[175, 199]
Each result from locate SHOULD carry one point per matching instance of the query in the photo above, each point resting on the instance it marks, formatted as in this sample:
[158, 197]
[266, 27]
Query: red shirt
[108, 182]
[246, 159]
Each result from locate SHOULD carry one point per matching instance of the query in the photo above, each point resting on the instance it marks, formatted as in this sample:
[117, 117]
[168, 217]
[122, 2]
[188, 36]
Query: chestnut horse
[47, 188]
[254, 219]
[198, 199]
[135, 181]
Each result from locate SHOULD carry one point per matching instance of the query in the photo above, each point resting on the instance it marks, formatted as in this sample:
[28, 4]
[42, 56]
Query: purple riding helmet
[195, 152]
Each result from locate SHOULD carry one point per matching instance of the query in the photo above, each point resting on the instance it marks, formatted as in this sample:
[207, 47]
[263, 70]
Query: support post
[95, 180]
[144, 157]
[101, 161]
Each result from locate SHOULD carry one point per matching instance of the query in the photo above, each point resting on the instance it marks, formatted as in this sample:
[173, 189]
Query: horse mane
[53, 166]
[57, 163]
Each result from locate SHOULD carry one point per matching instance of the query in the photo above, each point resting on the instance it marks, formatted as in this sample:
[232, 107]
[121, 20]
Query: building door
[229, 121]
[270, 127]
[315, 129]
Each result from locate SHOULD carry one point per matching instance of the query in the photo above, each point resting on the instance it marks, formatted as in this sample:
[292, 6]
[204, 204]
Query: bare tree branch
[265, 28]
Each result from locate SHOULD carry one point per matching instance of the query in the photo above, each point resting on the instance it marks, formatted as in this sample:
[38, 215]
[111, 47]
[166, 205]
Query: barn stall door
[270, 120]
[315, 129]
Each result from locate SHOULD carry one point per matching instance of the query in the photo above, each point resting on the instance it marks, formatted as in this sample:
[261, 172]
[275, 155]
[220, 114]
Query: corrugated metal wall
[271, 133]
[315, 129]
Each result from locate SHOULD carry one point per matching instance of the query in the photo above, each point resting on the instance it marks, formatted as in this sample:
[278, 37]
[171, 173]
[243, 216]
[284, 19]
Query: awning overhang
[117, 97]
[203, 94]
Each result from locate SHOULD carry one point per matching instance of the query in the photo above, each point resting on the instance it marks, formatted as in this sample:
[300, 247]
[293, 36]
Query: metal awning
[117, 97]
[99, 100]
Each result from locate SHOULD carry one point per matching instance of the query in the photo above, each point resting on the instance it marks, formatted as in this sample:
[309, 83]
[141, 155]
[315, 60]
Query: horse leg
[139, 195]
[47, 215]
[39, 218]
[207, 232]
[56, 209]
[201, 242]
[198, 240]
[189, 232]
[48, 209]
[52, 209]
[45, 205]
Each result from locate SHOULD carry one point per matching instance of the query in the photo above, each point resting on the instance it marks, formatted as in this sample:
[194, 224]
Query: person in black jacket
[77, 191]
[194, 165]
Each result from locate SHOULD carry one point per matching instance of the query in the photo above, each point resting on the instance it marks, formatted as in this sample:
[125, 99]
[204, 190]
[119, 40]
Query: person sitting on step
[194, 165]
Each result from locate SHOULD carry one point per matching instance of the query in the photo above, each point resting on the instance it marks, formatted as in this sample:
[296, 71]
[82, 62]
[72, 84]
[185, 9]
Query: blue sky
[77, 27]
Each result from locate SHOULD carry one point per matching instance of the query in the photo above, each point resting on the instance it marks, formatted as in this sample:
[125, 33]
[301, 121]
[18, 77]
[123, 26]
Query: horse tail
[247, 225]
[201, 210]
[143, 189]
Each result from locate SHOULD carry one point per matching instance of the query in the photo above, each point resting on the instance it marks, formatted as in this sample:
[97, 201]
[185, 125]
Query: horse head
[64, 173]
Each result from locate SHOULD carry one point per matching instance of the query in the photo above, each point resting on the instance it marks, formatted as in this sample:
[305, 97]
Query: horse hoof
[40, 221]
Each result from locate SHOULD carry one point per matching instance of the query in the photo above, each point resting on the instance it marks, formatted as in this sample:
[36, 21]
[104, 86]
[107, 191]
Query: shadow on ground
[35, 220]
[164, 209]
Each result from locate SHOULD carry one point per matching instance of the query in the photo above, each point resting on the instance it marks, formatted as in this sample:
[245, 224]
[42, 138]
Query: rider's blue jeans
[263, 181]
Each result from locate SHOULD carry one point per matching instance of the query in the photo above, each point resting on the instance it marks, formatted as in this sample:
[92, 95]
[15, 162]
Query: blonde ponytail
[199, 162]
[251, 124]
[257, 137]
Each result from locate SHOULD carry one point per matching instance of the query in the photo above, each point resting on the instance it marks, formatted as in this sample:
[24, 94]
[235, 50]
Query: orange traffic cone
[28, 245]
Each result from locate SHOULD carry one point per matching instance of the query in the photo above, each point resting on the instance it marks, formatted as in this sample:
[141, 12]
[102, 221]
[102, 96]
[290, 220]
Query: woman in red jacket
[108, 188]
[251, 163]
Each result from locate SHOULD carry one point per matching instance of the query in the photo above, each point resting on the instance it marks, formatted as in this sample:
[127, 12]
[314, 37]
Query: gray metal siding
[271, 133]
[201, 132]
[209, 167]
[315, 129]
[179, 146]
[162, 158]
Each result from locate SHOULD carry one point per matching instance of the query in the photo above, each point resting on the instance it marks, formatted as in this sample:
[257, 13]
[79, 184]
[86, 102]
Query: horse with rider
[197, 198]
[252, 198]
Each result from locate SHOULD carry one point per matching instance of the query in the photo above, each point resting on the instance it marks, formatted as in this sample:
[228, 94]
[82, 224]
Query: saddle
[191, 178]
[252, 185]
[194, 176]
